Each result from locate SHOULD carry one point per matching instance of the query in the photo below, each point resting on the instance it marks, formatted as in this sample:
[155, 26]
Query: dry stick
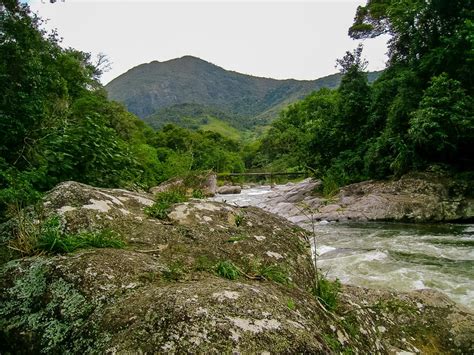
[313, 228]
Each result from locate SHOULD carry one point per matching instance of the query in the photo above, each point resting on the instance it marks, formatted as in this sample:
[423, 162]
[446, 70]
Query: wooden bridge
[266, 174]
[259, 176]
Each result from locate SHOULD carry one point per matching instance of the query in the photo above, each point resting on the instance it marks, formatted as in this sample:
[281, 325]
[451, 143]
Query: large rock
[229, 189]
[206, 182]
[162, 294]
[422, 197]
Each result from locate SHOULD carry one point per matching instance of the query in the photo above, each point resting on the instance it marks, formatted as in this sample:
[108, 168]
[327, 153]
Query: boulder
[229, 189]
[166, 186]
[420, 197]
[162, 292]
[206, 182]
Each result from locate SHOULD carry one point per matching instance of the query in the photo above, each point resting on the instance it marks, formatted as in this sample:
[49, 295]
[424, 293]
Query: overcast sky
[277, 39]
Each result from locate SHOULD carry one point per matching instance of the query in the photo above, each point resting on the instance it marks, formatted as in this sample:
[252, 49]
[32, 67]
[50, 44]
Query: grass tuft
[227, 270]
[238, 219]
[49, 236]
[275, 273]
[327, 292]
[164, 201]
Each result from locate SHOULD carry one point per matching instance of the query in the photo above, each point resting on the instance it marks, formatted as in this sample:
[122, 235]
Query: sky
[276, 39]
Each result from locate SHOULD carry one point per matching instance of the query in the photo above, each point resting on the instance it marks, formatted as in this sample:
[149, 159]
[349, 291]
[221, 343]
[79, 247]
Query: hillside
[249, 100]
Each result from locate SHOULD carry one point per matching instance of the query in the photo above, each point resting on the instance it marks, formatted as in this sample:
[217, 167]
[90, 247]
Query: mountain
[243, 101]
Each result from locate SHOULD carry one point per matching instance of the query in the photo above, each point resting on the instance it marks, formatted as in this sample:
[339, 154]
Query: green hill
[246, 101]
[195, 116]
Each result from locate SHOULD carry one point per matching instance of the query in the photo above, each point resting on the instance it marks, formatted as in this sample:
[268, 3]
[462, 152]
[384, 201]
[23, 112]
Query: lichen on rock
[161, 293]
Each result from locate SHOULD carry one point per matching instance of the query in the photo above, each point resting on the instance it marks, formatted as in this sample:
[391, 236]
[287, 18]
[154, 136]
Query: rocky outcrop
[229, 189]
[421, 197]
[206, 183]
[163, 292]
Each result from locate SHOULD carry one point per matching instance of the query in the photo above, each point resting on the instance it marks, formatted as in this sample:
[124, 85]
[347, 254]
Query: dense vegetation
[418, 114]
[56, 123]
[195, 117]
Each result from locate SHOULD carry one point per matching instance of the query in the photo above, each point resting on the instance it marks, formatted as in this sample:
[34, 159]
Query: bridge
[270, 174]
[262, 175]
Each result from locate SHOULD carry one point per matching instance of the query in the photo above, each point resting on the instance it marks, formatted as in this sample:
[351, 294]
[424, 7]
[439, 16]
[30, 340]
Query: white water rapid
[398, 256]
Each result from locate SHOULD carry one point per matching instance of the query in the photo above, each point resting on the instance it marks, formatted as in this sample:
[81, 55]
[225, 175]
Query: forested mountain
[249, 100]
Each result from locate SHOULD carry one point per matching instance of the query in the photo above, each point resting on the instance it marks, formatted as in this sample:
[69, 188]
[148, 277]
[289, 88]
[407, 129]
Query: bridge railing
[259, 176]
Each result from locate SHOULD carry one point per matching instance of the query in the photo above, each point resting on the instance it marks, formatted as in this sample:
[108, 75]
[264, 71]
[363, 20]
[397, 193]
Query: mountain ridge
[151, 87]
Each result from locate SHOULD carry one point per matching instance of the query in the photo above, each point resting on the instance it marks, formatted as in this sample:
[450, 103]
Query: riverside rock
[229, 189]
[206, 182]
[161, 293]
[416, 197]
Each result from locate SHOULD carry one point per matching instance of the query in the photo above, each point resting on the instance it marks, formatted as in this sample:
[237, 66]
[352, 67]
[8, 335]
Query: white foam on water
[323, 249]
[380, 255]
[376, 255]
[258, 192]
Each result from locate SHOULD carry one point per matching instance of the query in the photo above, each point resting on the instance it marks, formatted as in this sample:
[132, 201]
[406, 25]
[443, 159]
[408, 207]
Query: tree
[443, 125]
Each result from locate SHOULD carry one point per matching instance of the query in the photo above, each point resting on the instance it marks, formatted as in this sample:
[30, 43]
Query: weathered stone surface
[421, 197]
[206, 182]
[229, 189]
[162, 294]
[166, 186]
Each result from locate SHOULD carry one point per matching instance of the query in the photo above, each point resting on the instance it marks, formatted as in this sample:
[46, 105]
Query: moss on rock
[162, 294]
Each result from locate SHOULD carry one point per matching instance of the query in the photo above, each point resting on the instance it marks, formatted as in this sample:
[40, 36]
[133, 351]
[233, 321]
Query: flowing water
[399, 256]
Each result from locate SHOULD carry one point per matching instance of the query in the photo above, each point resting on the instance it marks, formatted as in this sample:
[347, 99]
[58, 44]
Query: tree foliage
[56, 123]
[419, 112]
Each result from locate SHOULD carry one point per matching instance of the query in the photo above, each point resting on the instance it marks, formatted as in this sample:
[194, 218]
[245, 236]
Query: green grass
[164, 201]
[203, 263]
[327, 292]
[238, 219]
[291, 304]
[275, 273]
[216, 125]
[175, 271]
[227, 269]
[197, 193]
[52, 239]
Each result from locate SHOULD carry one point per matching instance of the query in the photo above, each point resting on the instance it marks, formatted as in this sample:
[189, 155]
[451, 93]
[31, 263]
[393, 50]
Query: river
[397, 256]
